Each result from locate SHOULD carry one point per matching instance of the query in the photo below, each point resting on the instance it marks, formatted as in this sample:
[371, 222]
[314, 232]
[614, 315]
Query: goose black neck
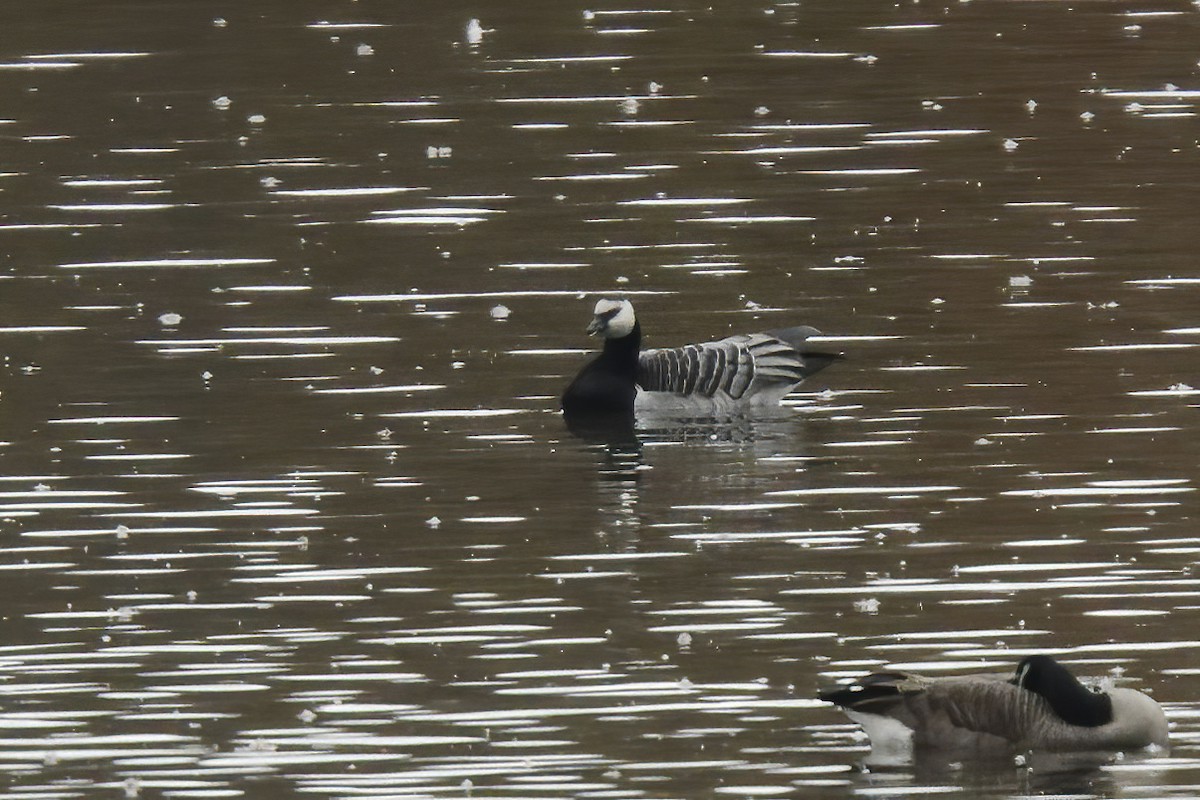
[1073, 702]
[624, 350]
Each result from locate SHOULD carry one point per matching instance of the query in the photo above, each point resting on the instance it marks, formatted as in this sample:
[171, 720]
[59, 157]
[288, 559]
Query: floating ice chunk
[364, 50]
[1011, 144]
[220, 22]
[474, 32]
[654, 87]
[1020, 281]
[222, 102]
[629, 106]
[170, 319]
[684, 640]
[868, 605]
[1031, 105]
[1087, 117]
[438, 152]
[256, 119]
[269, 182]
[501, 312]
[761, 111]
[433, 522]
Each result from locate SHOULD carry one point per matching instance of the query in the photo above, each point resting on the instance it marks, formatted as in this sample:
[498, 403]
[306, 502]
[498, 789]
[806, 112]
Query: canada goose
[739, 372]
[1042, 707]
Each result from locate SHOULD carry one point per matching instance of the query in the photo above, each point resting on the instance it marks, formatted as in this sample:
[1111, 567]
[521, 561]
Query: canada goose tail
[872, 694]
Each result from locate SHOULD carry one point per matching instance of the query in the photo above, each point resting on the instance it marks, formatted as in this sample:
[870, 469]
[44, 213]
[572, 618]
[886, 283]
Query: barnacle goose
[1042, 707]
[741, 372]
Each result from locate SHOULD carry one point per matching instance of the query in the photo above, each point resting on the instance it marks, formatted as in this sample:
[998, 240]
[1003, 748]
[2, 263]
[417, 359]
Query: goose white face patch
[615, 318]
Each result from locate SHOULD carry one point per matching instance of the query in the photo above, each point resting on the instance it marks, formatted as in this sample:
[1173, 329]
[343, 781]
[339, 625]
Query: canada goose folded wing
[977, 712]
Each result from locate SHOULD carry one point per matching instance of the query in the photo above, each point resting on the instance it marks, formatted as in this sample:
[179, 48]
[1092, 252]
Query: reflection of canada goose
[1042, 707]
[736, 373]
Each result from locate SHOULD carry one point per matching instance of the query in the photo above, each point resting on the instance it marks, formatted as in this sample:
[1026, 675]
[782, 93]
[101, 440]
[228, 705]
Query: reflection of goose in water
[1042, 707]
[738, 373]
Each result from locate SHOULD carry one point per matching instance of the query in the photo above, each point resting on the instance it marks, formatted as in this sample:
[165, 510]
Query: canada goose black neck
[1073, 702]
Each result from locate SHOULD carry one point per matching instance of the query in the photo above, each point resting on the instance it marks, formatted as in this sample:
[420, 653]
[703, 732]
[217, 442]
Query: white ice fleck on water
[501, 312]
[1011, 144]
[256, 119]
[170, 319]
[474, 31]
[868, 605]
[222, 102]
[364, 50]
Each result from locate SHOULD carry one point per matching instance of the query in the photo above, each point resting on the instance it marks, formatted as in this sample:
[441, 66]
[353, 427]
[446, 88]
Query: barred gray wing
[739, 366]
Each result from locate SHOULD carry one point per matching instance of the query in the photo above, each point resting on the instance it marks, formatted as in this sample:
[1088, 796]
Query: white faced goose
[754, 370]
[1042, 707]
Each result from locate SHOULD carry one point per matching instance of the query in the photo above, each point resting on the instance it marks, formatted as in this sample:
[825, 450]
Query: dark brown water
[289, 291]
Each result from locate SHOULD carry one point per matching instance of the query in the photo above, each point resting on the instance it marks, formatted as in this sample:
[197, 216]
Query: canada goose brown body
[1042, 707]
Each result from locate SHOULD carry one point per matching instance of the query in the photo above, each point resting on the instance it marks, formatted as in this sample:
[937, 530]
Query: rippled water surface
[289, 292]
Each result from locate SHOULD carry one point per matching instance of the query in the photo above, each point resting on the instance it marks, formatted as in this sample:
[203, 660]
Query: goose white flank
[734, 374]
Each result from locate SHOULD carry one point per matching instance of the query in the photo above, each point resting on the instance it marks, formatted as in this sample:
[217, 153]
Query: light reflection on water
[287, 506]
